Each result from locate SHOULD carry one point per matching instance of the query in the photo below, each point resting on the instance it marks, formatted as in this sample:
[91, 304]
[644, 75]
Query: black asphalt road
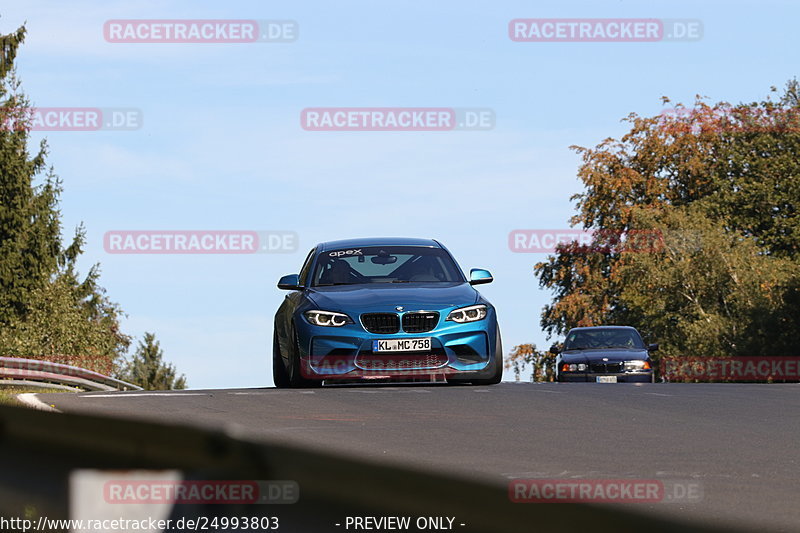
[739, 442]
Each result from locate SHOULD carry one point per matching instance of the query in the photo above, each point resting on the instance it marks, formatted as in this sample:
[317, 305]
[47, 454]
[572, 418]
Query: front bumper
[457, 350]
[591, 377]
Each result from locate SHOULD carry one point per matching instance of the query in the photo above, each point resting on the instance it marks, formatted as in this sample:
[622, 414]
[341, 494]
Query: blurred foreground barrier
[44, 452]
[35, 373]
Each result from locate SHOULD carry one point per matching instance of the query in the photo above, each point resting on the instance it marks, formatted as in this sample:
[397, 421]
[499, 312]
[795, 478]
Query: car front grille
[381, 322]
[420, 322]
[605, 368]
[388, 323]
[400, 362]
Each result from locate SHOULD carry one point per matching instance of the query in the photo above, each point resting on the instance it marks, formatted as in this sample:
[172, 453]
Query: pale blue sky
[222, 148]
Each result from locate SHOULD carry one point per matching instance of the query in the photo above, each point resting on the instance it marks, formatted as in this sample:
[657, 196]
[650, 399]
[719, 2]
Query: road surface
[739, 442]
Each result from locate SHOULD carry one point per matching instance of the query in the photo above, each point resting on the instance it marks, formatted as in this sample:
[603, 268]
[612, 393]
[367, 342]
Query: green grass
[8, 395]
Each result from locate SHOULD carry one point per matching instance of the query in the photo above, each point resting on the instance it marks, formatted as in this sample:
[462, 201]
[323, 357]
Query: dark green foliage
[47, 311]
[148, 369]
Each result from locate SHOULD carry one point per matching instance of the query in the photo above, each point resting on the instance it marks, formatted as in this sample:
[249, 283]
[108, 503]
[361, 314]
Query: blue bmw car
[391, 308]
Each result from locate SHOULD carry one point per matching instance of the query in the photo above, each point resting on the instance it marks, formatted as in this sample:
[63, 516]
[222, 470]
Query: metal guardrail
[16, 371]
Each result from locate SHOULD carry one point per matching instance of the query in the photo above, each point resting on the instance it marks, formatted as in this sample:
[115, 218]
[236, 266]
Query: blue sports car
[392, 308]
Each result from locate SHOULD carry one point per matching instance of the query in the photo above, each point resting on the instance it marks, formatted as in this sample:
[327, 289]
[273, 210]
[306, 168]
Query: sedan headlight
[635, 366]
[580, 367]
[327, 318]
[473, 313]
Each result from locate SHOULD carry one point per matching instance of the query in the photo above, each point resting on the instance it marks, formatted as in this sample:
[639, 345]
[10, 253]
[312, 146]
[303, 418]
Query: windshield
[385, 264]
[603, 338]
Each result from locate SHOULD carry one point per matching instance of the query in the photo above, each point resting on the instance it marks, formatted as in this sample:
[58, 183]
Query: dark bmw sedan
[605, 354]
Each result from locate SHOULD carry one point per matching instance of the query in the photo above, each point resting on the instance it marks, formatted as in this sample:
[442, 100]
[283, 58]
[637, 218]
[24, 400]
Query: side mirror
[290, 283]
[554, 349]
[479, 276]
[652, 347]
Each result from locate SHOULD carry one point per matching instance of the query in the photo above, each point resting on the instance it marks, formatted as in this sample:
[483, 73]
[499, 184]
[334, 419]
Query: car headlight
[327, 318]
[473, 313]
[633, 366]
[580, 367]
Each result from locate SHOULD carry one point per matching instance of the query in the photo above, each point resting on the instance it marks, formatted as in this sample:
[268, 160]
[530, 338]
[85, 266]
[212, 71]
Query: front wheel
[294, 372]
[279, 374]
[496, 376]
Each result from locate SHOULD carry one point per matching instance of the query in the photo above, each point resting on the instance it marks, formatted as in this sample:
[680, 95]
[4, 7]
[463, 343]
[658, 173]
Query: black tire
[294, 373]
[279, 374]
[496, 377]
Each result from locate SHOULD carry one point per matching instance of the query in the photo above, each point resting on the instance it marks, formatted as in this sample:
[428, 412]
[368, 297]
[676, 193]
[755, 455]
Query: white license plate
[402, 345]
[606, 379]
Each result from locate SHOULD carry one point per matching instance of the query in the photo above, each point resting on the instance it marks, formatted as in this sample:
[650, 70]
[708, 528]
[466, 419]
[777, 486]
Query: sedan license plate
[402, 345]
[606, 379]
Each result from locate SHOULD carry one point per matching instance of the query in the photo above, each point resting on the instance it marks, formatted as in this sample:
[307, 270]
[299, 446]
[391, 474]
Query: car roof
[377, 241]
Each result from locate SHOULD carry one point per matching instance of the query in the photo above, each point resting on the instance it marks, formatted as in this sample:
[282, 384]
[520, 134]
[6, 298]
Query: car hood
[385, 297]
[614, 355]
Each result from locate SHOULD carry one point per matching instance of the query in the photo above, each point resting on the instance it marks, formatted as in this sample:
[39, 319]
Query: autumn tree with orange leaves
[720, 185]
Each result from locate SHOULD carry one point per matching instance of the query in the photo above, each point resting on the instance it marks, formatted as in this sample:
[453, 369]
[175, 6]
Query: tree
[148, 369]
[709, 291]
[46, 310]
[721, 184]
[542, 363]
[30, 247]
